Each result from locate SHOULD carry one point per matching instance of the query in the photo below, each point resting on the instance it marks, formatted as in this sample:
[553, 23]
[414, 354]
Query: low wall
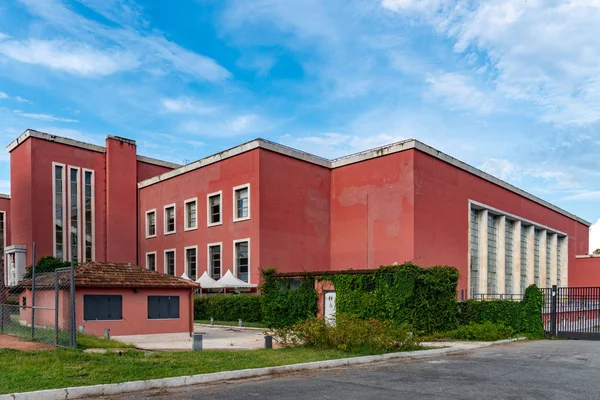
[585, 272]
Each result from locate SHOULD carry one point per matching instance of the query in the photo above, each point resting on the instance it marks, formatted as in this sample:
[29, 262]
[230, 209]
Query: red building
[262, 204]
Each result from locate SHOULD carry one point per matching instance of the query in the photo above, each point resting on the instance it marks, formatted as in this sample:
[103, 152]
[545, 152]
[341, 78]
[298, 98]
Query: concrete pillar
[564, 267]
[553, 259]
[516, 283]
[483, 251]
[121, 200]
[543, 246]
[501, 256]
[530, 231]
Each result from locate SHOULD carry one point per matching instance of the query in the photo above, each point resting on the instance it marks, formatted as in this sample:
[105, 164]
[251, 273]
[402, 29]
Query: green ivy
[229, 308]
[287, 301]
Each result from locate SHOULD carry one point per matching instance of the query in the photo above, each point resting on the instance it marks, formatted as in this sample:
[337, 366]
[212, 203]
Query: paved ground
[230, 338]
[524, 370]
[11, 342]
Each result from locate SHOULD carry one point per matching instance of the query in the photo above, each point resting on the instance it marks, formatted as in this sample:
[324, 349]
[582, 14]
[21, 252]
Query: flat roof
[82, 145]
[352, 159]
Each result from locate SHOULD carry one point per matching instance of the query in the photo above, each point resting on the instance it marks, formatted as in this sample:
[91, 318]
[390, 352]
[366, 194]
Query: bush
[287, 301]
[487, 332]
[47, 264]
[350, 334]
[229, 308]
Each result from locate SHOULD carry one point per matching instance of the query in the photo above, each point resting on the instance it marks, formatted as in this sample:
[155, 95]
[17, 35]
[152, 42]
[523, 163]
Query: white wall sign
[329, 309]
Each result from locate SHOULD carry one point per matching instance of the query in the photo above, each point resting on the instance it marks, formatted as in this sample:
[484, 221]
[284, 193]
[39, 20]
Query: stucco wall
[585, 272]
[21, 188]
[222, 176]
[147, 170]
[294, 214]
[442, 193]
[372, 212]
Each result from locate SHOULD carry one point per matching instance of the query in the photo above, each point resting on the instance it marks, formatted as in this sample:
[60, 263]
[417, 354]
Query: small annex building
[127, 299]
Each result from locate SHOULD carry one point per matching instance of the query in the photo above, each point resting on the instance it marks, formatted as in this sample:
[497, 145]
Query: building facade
[262, 204]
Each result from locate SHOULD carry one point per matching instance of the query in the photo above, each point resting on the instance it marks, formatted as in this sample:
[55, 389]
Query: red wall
[294, 214]
[147, 171]
[442, 192]
[21, 189]
[585, 272]
[372, 212]
[224, 176]
[5, 206]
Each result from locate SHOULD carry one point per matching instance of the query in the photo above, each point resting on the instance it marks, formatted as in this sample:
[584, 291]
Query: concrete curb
[138, 386]
[249, 328]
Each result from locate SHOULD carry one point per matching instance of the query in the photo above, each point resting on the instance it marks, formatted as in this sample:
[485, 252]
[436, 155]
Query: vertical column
[530, 231]
[542, 258]
[121, 200]
[501, 256]
[483, 251]
[516, 275]
[564, 267]
[553, 259]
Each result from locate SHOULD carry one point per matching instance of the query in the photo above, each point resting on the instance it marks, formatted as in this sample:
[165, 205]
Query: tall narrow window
[191, 214]
[170, 262]
[241, 202]
[492, 256]
[2, 241]
[170, 219]
[474, 267]
[559, 260]
[151, 261]
[88, 204]
[524, 256]
[74, 210]
[548, 282]
[58, 204]
[536, 256]
[214, 260]
[150, 223]
[191, 263]
[242, 260]
[214, 209]
[508, 257]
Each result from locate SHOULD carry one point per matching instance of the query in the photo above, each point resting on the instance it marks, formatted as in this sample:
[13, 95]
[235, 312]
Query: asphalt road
[526, 370]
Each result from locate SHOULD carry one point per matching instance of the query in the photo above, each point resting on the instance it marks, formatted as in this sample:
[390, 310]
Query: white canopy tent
[230, 281]
[185, 276]
[207, 282]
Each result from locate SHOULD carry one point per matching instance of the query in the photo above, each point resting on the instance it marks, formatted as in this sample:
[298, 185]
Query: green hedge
[287, 301]
[229, 308]
[425, 298]
[524, 317]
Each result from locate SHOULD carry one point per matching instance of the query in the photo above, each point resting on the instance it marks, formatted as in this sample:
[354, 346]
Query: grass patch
[27, 371]
[234, 323]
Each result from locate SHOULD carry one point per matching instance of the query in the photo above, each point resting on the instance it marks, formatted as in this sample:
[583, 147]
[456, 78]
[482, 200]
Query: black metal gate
[572, 313]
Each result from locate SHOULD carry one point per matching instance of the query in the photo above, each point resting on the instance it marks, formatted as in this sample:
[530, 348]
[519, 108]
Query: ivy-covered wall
[248, 308]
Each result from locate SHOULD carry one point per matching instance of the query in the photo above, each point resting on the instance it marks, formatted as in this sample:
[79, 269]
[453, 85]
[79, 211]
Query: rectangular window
[151, 261]
[508, 257]
[474, 267]
[548, 260]
[2, 242]
[150, 223]
[536, 256]
[242, 259]
[559, 260]
[214, 209]
[88, 214]
[191, 214]
[170, 219]
[102, 307]
[492, 256]
[74, 210]
[191, 262]
[214, 260]
[58, 205]
[524, 247]
[241, 202]
[170, 262]
[163, 307]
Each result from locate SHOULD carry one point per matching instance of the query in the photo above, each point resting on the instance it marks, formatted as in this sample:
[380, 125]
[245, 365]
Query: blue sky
[509, 86]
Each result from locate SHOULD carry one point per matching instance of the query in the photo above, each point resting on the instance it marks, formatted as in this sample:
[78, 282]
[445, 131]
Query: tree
[597, 251]
[46, 264]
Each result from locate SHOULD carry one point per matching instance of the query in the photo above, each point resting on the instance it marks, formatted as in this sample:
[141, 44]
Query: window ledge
[170, 233]
[215, 224]
[241, 219]
[151, 236]
[193, 228]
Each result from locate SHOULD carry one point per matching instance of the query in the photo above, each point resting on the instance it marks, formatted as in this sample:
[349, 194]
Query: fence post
[73, 322]
[554, 299]
[33, 294]
[56, 295]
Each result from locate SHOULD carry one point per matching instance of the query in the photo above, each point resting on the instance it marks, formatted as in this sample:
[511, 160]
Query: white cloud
[514, 173]
[525, 47]
[595, 236]
[3, 95]
[459, 92]
[71, 57]
[333, 144]
[22, 100]
[592, 195]
[44, 117]
[76, 134]
[225, 125]
[186, 105]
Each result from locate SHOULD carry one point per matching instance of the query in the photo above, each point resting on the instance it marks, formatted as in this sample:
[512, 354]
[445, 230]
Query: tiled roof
[114, 275]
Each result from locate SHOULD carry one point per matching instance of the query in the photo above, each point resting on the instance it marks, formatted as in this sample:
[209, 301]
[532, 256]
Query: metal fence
[42, 309]
[572, 313]
[497, 296]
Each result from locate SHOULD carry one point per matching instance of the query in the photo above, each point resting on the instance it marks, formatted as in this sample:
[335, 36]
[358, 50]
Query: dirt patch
[11, 342]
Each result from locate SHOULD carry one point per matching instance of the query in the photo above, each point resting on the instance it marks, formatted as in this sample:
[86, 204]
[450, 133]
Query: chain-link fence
[42, 309]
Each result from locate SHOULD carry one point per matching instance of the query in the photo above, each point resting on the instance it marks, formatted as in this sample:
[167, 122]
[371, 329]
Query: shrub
[287, 301]
[47, 264]
[229, 308]
[486, 332]
[350, 334]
